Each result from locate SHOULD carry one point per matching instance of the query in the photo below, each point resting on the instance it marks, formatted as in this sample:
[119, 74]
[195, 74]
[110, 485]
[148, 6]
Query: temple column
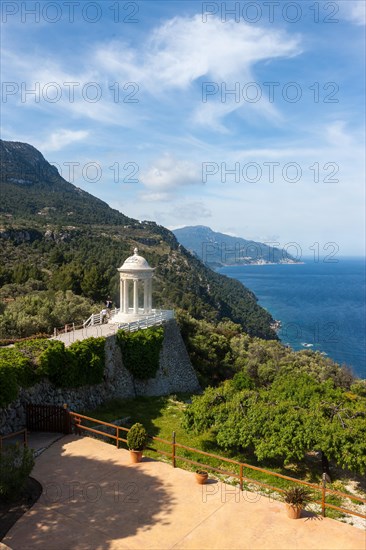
[146, 296]
[125, 296]
[135, 296]
[121, 295]
[149, 303]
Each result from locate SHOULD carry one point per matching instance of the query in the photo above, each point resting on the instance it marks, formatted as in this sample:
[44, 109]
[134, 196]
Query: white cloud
[154, 197]
[354, 11]
[184, 50]
[337, 135]
[172, 59]
[191, 211]
[62, 138]
[84, 94]
[169, 173]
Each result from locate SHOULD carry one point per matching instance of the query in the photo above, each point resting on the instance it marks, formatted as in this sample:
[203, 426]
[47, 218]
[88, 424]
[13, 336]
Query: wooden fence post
[241, 477]
[173, 450]
[324, 486]
[67, 420]
[117, 440]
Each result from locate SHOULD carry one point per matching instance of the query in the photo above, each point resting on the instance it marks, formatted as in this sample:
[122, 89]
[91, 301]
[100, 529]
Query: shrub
[16, 463]
[54, 362]
[137, 437]
[242, 381]
[80, 364]
[88, 360]
[15, 370]
[8, 384]
[22, 366]
[141, 351]
[33, 347]
[41, 311]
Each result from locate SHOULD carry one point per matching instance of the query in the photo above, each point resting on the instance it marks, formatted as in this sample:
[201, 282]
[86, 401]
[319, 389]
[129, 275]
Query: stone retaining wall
[175, 374]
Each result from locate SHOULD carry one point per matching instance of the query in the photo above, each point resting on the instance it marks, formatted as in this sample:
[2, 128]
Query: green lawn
[160, 416]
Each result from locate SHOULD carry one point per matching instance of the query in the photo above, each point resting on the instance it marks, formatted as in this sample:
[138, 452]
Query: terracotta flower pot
[136, 456]
[293, 511]
[201, 476]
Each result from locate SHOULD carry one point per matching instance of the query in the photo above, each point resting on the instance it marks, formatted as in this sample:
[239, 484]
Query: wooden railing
[65, 329]
[240, 467]
[14, 434]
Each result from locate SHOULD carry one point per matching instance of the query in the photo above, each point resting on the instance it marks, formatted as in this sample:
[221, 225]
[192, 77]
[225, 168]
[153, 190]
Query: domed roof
[135, 262]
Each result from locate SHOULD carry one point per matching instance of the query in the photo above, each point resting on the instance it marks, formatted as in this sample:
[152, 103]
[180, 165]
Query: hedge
[141, 351]
[27, 362]
[80, 364]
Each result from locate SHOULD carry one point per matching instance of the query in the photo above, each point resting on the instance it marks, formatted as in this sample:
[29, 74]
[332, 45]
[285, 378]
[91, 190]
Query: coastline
[237, 264]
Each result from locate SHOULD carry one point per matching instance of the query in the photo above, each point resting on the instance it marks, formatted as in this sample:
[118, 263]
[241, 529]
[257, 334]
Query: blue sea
[321, 305]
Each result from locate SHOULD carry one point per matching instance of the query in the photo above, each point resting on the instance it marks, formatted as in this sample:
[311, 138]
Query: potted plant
[201, 476]
[296, 499]
[136, 440]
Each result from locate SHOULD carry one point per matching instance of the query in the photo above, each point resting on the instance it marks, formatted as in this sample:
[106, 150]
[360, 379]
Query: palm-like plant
[297, 496]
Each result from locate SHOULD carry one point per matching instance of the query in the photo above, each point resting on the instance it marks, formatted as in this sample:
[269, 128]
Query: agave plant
[297, 496]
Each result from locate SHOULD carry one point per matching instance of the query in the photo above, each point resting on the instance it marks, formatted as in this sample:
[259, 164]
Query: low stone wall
[175, 374]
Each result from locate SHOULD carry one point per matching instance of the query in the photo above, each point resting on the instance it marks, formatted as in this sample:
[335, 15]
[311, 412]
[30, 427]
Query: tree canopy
[295, 414]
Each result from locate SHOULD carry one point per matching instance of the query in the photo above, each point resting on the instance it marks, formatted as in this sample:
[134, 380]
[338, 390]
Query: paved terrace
[79, 334]
[129, 322]
[94, 499]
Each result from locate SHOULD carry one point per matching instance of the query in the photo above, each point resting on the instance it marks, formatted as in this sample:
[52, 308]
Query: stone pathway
[94, 499]
[38, 441]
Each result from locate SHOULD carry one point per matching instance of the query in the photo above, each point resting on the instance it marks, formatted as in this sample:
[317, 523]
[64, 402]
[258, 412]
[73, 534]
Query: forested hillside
[61, 247]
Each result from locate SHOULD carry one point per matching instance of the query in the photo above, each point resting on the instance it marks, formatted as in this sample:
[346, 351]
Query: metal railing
[240, 467]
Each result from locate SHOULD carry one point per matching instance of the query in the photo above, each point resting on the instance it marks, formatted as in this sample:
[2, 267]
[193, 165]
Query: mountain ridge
[217, 249]
[26, 173]
[45, 249]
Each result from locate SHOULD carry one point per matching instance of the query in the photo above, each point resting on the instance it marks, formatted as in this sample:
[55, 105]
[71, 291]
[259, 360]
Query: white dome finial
[136, 251]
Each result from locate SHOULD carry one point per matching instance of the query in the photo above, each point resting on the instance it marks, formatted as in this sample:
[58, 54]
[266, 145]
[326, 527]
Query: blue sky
[186, 113]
